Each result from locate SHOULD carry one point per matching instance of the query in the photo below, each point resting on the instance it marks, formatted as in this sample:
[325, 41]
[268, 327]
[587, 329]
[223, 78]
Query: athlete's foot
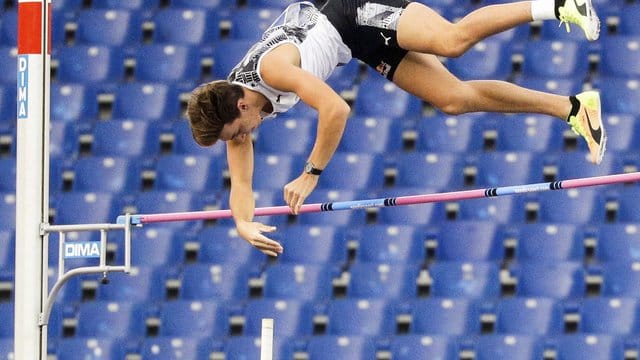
[583, 15]
[588, 124]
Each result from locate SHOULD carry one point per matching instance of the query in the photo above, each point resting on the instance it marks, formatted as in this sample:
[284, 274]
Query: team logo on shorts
[383, 68]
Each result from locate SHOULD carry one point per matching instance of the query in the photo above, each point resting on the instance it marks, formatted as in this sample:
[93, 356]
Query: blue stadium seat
[465, 279]
[589, 347]
[205, 4]
[340, 347]
[312, 244]
[127, 4]
[291, 317]
[566, 86]
[620, 278]
[193, 318]
[299, 281]
[628, 20]
[487, 59]
[7, 314]
[167, 63]
[365, 317]
[375, 280]
[274, 171]
[506, 168]
[215, 281]
[344, 78]
[621, 132]
[555, 59]
[620, 94]
[221, 244]
[6, 348]
[573, 206]
[250, 22]
[262, 198]
[227, 54]
[89, 64]
[511, 347]
[154, 246]
[84, 207]
[550, 30]
[126, 138]
[549, 242]
[274, 3]
[378, 97]
[158, 201]
[168, 347]
[577, 164]
[608, 315]
[526, 132]
[8, 209]
[618, 242]
[7, 249]
[8, 108]
[106, 174]
[186, 145]
[288, 134]
[57, 163]
[445, 316]
[501, 210]
[110, 320]
[73, 102]
[244, 347]
[9, 29]
[182, 26]
[528, 316]
[8, 175]
[421, 214]
[353, 171]
[332, 218]
[559, 280]
[110, 27]
[620, 56]
[444, 133]
[408, 347]
[375, 135]
[390, 244]
[187, 173]
[468, 241]
[628, 204]
[9, 62]
[88, 348]
[151, 101]
[416, 169]
[142, 284]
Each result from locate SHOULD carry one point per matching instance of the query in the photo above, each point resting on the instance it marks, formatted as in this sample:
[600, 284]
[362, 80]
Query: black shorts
[368, 28]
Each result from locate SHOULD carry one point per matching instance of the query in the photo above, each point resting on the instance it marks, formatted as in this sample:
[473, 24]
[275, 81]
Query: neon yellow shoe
[588, 124]
[583, 15]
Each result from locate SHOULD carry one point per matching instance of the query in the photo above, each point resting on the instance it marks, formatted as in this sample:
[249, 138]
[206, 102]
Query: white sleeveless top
[320, 45]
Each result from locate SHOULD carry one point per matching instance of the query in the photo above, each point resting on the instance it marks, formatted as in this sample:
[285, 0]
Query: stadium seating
[589, 346]
[628, 25]
[193, 318]
[496, 347]
[465, 279]
[299, 281]
[110, 27]
[528, 316]
[468, 241]
[292, 317]
[363, 317]
[378, 97]
[389, 244]
[89, 64]
[167, 63]
[620, 94]
[71, 102]
[375, 280]
[311, 244]
[127, 138]
[414, 346]
[607, 315]
[8, 61]
[620, 56]
[488, 59]
[105, 319]
[559, 280]
[183, 26]
[618, 242]
[620, 278]
[106, 174]
[340, 347]
[555, 59]
[8, 175]
[549, 242]
[416, 169]
[288, 134]
[445, 316]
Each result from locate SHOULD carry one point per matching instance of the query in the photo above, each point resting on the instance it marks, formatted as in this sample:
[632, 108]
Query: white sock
[543, 9]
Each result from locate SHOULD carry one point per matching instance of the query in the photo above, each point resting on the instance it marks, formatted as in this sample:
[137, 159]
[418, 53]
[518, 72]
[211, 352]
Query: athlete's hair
[210, 107]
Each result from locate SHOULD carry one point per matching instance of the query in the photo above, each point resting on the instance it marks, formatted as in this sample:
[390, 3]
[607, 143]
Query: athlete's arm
[241, 201]
[279, 69]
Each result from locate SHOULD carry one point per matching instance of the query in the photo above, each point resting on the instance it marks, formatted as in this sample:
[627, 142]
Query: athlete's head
[210, 108]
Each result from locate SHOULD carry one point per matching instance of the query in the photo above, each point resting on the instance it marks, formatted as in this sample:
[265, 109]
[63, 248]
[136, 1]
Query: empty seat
[562, 86]
[608, 315]
[9, 62]
[419, 214]
[299, 281]
[215, 282]
[589, 347]
[89, 64]
[8, 108]
[110, 27]
[274, 171]
[445, 316]
[628, 23]
[468, 241]
[71, 102]
[7, 249]
[8, 209]
[106, 319]
[8, 175]
[193, 318]
[389, 244]
[444, 133]
[465, 279]
[528, 316]
[184, 143]
[167, 63]
[187, 173]
[106, 174]
[628, 204]
[141, 284]
[407, 347]
[145, 101]
[525, 132]
[378, 97]
[288, 134]
[620, 278]
[573, 206]
[84, 207]
[620, 56]
[291, 317]
[205, 4]
[621, 132]
[577, 164]
[154, 246]
[361, 170]
[168, 347]
[312, 244]
[620, 94]
[555, 59]
[9, 28]
[549, 242]
[221, 244]
[227, 54]
[366, 317]
[383, 281]
[371, 134]
[618, 242]
[505, 168]
[415, 169]
[88, 347]
[559, 280]
[487, 59]
[7, 314]
[500, 210]
[182, 26]
[127, 4]
[127, 138]
[511, 347]
[340, 347]
[158, 201]
[251, 22]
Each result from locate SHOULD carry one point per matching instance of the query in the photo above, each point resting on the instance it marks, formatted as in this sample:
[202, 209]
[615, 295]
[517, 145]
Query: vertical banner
[32, 178]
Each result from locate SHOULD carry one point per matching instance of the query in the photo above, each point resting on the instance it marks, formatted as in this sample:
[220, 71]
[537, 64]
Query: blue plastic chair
[573, 206]
[8, 61]
[169, 347]
[9, 28]
[566, 86]
[465, 279]
[445, 316]
[390, 244]
[292, 317]
[373, 135]
[621, 132]
[167, 63]
[500, 210]
[620, 56]
[487, 59]
[127, 4]
[408, 347]
[558, 280]
[89, 64]
[110, 27]
[299, 281]
[8, 208]
[341, 218]
[416, 169]
[87, 347]
[106, 174]
[577, 164]
[555, 59]
[193, 318]
[608, 315]
[353, 171]
[84, 207]
[549, 242]
[628, 23]
[274, 171]
[618, 242]
[620, 94]
[628, 204]
[511, 347]
[7, 250]
[142, 284]
[182, 26]
[364, 317]
[8, 108]
[287, 134]
[110, 320]
[312, 244]
[185, 144]
[73, 102]
[250, 22]
[468, 241]
[535, 316]
[341, 347]
[383, 281]
[187, 173]
[506, 168]
[7, 313]
[221, 244]
[620, 278]
[378, 97]
[589, 347]
[204, 4]
[215, 281]
[416, 215]
[8, 175]
[151, 101]
[125, 138]
[526, 132]
[227, 54]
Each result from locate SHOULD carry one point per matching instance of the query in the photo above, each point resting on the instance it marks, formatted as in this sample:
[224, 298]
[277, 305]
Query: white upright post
[266, 339]
[32, 193]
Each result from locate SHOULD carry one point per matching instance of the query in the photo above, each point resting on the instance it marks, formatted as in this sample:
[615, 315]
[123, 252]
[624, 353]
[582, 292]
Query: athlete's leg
[427, 78]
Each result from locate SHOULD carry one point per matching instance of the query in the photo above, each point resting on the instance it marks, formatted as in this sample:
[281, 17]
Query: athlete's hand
[297, 191]
[252, 233]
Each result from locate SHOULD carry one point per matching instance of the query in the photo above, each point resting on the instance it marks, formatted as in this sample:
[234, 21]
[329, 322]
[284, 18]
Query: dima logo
[23, 87]
[82, 249]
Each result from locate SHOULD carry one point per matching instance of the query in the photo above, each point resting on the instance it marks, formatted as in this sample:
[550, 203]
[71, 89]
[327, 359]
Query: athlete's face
[249, 119]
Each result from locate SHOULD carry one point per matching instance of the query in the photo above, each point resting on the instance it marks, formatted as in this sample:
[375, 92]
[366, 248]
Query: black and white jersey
[320, 45]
